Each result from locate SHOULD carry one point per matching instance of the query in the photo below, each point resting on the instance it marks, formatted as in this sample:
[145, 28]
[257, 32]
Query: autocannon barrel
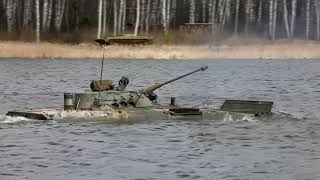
[150, 89]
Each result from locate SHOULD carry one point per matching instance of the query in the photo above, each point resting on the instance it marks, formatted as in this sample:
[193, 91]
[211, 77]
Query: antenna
[101, 73]
[102, 43]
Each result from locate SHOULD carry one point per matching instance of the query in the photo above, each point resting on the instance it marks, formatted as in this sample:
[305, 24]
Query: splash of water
[9, 119]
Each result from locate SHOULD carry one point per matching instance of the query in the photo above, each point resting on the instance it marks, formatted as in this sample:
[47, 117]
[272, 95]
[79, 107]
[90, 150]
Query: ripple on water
[283, 147]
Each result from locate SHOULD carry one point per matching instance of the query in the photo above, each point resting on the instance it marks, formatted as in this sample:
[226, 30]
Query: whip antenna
[102, 43]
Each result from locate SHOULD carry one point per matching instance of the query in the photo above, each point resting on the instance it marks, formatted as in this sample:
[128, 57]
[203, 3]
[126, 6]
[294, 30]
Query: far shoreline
[281, 50]
[133, 59]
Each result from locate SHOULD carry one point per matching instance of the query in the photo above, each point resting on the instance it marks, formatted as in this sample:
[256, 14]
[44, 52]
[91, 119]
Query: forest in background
[168, 21]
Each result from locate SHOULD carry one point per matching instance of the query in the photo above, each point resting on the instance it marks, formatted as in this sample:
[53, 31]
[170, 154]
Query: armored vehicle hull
[130, 39]
[132, 115]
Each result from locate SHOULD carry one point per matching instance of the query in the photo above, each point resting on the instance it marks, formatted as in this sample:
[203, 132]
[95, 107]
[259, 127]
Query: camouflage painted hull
[133, 115]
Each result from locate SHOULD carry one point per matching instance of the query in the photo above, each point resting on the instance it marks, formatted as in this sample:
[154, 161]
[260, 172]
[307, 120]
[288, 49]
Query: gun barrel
[185, 75]
[150, 89]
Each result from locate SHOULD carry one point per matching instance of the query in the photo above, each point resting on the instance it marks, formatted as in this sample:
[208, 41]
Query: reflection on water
[284, 147]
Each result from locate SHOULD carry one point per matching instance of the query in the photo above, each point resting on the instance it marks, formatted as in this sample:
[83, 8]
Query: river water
[283, 147]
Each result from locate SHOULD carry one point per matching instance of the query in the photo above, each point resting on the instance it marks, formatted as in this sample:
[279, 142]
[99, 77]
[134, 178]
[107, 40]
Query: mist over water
[284, 147]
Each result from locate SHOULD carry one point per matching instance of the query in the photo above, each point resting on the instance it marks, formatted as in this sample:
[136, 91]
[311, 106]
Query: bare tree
[192, 11]
[252, 14]
[45, 15]
[164, 16]
[307, 19]
[274, 23]
[204, 10]
[147, 20]
[236, 19]
[285, 18]
[246, 27]
[168, 13]
[121, 15]
[59, 12]
[115, 17]
[153, 11]
[37, 21]
[210, 3]
[260, 12]
[270, 17]
[26, 13]
[226, 13]
[136, 29]
[212, 14]
[49, 15]
[293, 16]
[124, 16]
[142, 15]
[104, 18]
[221, 9]
[173, 12]
[99, 19]
[11, 14]
[317, 9]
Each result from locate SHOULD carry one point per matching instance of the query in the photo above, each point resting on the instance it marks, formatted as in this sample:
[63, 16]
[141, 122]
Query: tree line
[267, 18]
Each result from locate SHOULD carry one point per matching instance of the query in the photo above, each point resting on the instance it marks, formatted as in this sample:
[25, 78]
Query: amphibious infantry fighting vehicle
[107, 101]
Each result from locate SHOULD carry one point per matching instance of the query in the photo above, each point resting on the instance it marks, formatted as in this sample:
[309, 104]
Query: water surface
[284, 147]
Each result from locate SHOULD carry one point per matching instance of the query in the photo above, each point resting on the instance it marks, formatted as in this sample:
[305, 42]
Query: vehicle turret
[119, 98]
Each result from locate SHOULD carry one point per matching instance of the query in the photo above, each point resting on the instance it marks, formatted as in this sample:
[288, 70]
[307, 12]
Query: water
[285, 147]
